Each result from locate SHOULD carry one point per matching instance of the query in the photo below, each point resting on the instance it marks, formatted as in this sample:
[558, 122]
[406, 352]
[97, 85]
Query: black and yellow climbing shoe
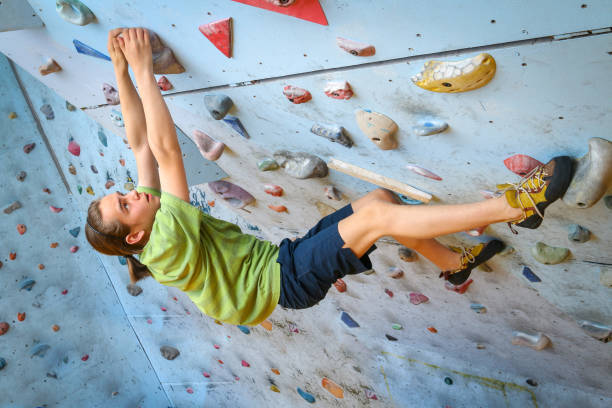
[470, 259]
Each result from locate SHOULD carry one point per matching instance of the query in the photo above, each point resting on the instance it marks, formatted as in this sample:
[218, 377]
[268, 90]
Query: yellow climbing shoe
[537, 190]
[470, 259]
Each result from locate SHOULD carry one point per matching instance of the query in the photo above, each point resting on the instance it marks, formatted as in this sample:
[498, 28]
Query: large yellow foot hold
[459, 76]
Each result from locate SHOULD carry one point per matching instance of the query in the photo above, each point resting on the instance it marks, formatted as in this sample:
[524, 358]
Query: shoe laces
[466, 258]
[527, 185]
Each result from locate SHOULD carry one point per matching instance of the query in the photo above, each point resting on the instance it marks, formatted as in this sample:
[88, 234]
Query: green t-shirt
[230, 276]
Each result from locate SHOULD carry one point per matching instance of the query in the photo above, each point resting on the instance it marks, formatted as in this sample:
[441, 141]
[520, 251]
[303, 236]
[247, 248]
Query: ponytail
[137, 270]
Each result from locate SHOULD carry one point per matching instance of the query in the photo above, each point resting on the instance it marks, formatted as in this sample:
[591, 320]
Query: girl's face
[136, 210]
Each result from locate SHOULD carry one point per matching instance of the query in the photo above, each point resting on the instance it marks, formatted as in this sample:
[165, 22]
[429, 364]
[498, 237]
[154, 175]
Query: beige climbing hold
[593, 175]
[458, 76]
[379, 180]
[49, 67]
[549, 255]
[324, 209]
[537, 341]
[356, 48]
[164, 61]
[210, 148]
[379, 128]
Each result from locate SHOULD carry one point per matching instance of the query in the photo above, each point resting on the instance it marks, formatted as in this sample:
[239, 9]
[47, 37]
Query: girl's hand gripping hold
[136, 47]
[119, 62]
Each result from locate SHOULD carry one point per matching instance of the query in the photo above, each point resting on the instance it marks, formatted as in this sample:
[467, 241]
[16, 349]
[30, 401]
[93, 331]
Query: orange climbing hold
[332, 387]
[164, 84]
[278, 208]
[273, 189]
[54, 245]
[55, 327]
[41, 266]
[21, 316]
[459, 288]
[266, 324]
[211, 203]
[21, 229]
[340, 285]
[122, 162]
[432, 329]
[4, 327]
[275, 371]
[13, 256]
[220, 34]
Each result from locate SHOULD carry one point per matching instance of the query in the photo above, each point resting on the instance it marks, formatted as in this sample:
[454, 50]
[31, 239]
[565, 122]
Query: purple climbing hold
[47, 110]
[235, 124]
[528, 273]
[111, 94]
[308, 397]
[87, 50]
[234, 195]
[348, 320]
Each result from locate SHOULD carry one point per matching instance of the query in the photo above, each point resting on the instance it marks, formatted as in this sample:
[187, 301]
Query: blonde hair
[109, 239]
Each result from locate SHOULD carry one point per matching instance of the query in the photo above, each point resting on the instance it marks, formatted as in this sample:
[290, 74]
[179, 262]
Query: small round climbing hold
[90, 191]
[578, 234]
[85, 357]
[74, 248]
[273, 190]
[13, 256]
[41, 266]
[21, 229]
[163, 309]
[418, 298]
[2, 363]
[74, 148]
[278, 208]
[12, 115]
[29, 147]
[21, 316]
[55, 327]
[267, 164]
[407, 254]
[65, 292]
[448, 380]
[134, 289]
[4, 327]
[150, 321]
[388, 292]
[70, 107]
[395, 272]
[274, 388]
[53, 245]
[220, 361]
[245, 363]
[267, 324]
[21, 176]
[206, 374]
[189, 390]
[216, 346]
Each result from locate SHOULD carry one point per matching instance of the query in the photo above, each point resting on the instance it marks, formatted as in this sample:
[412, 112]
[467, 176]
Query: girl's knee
[383, 194]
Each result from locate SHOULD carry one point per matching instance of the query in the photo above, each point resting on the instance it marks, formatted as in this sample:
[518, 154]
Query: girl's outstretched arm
[133, 115]
[161, 133]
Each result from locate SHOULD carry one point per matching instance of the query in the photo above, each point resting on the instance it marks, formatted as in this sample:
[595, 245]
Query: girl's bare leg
[407, 223]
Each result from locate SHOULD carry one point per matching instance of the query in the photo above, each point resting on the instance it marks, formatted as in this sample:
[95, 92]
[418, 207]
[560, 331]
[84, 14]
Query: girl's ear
[135, 237]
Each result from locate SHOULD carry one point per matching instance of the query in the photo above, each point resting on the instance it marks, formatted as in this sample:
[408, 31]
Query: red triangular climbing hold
[220, 34]
[309, 10]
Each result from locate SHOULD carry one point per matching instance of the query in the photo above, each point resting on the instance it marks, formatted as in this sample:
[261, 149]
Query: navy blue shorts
[312, 263]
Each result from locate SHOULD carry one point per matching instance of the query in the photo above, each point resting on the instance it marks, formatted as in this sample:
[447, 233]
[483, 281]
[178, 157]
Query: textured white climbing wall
[548, 97]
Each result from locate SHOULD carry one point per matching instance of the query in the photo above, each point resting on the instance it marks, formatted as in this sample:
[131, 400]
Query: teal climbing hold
[122, 260]
[448, 380]
[578, 234]
[102, 137]
[40, 350]
[408, 200]
[75, 12]
[80, 189]
[27, 284]
[87, 50]
[549, 255]
[117, 118]
[478, 308]
[75, 231]
[308, 397]
[3, 364]
[244, 329]
[267, 164]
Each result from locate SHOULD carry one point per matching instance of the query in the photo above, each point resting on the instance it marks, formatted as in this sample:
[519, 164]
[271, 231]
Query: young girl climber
[238, 278]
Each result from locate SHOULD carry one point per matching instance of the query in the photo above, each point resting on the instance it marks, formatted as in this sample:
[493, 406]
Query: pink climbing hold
[163, 309]
[296, 95]
[205, 374]
[216, 346]
[370, 394]
[293, 328]
[233, 194]
[74, 148]
[74, 248]
[21, 229]
[340, 285]
[245, 364]
[65, 292]
[356, 48]
[189, 390]
[209, 147]
[220, 34]
[338, 90]
[150, 321]
[28, 148]
[273, 189]
[418, 298]
[521, 164]
[459, 288]
[164, 84]
[55, 209]
[423, 172]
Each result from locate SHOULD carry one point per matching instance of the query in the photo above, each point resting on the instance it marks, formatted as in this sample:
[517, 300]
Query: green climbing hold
[267, 164]
[549, 255]
[80, 189]
[396, 326]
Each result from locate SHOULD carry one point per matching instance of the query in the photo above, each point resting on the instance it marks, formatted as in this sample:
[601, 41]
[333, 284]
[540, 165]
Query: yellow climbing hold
[458, 76]
[89, 190]
[12, 115]
[274, 388]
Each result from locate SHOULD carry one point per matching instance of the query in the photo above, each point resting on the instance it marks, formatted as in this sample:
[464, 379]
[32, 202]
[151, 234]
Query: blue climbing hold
[244, 329]
[102, 137]
[27, 284]
[528, 273]
[408, 200]
[478, 308]
[348, 320]
[334, 133]
[75, 231]
[429, 126]
[40, 350]
[308, 397]
[87, 50]
[235, 124]
[117, 118]
[122, 260]
[3, 364]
